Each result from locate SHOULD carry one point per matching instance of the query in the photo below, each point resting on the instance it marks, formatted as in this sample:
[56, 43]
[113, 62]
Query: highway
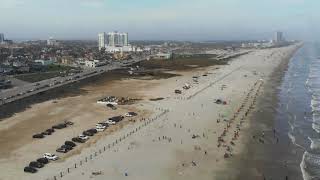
[20, 92]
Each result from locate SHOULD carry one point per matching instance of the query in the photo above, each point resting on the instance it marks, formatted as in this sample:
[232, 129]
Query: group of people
[244, 109]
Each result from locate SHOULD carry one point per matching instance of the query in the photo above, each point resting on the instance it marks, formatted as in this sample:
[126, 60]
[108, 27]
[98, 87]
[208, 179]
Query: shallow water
[299, 113]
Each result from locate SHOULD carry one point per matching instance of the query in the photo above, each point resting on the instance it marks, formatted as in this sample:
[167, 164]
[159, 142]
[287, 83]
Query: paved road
[25, 90]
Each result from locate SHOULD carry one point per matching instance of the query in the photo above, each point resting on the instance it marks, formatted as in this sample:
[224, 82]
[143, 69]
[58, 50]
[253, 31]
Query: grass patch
[182, 63]
[35, 77]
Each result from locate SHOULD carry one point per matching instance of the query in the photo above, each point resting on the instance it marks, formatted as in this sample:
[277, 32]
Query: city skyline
[160, 20]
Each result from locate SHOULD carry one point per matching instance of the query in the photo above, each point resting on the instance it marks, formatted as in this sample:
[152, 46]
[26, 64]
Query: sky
[195, 20]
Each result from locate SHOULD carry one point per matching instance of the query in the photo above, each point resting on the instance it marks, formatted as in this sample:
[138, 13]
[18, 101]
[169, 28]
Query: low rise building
[162, 56]
[94, 63]
[67, 60]
[114, 49]
[44, 62]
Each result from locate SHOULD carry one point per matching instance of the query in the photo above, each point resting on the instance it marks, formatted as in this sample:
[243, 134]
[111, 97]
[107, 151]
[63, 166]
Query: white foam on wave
[311, 162]
[293, 140]
[315, 143]
[309, 165]
[313, 85]
[315, 106]
[303, 168]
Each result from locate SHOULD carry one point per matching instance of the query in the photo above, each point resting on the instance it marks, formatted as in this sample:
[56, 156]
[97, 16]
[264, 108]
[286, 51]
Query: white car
[110, 122]
[50, 156]
[100, 125]
[81, 136]
[100, 129]
[130, 114]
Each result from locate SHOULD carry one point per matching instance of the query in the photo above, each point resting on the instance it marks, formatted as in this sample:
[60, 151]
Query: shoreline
[268, 160]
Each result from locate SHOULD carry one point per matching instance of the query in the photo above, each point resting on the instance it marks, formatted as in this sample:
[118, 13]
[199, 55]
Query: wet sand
[276, 157]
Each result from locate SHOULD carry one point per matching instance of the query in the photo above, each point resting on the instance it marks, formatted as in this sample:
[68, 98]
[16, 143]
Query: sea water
[299, 109]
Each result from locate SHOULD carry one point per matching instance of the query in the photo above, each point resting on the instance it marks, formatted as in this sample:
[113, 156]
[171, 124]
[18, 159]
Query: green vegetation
[54, 67]
[183, 62]
[51, 71]
[35, 77]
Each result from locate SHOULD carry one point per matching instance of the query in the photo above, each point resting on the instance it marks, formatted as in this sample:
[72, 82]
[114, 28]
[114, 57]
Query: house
[67, 60]
[162, 56]
[44, 62]
[94, 63]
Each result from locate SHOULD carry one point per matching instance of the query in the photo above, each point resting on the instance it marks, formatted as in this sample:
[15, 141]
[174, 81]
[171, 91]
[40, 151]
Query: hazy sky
[160, 19]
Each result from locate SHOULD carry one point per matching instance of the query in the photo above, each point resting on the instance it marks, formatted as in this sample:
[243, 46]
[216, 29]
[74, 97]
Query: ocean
[298, 112]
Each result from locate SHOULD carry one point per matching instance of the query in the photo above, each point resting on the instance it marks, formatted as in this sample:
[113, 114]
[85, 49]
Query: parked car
[38, 136]
[88, 133]
[50, 130]
[50, 156]
[62, 150]
[68, 123]
[94, 131]
[113, 107]
[59, 126]
[100, 129]
[177, 91]
[103, 124]
[69, 148]
[36, 164]
[46, 133]
[130, 114]
[43, 160]
[110, 122]
[78, 140]
[30, 169]
[116, 118]
[70, 143]
[100, 126]
[81, 136]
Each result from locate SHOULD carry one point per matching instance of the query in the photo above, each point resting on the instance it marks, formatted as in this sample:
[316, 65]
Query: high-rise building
[52, 42]
[118, 39]
[114, 42]
[101, 40]
[1, 38]
[278, 37]
[125, 39]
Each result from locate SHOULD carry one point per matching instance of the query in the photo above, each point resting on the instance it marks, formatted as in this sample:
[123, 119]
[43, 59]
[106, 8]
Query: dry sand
[142, 155]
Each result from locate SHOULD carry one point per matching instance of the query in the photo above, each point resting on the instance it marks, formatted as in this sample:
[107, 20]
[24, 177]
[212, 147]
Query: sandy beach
[183, 136]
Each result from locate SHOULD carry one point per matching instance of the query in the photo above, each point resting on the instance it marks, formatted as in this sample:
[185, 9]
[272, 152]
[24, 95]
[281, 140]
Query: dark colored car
[46, 133]
[132, 113]
[94, 131]
[38, 136]
[50, 130]
[36, 164]
[68, 123]
[62, 150]
[78, 140]
[113, 107]
[87, 133]
[59, 126]
[104, 124]
[116, 118]
[67, 147]
[177, 91]
[30, 169]
[70, 143]
[43, 160]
